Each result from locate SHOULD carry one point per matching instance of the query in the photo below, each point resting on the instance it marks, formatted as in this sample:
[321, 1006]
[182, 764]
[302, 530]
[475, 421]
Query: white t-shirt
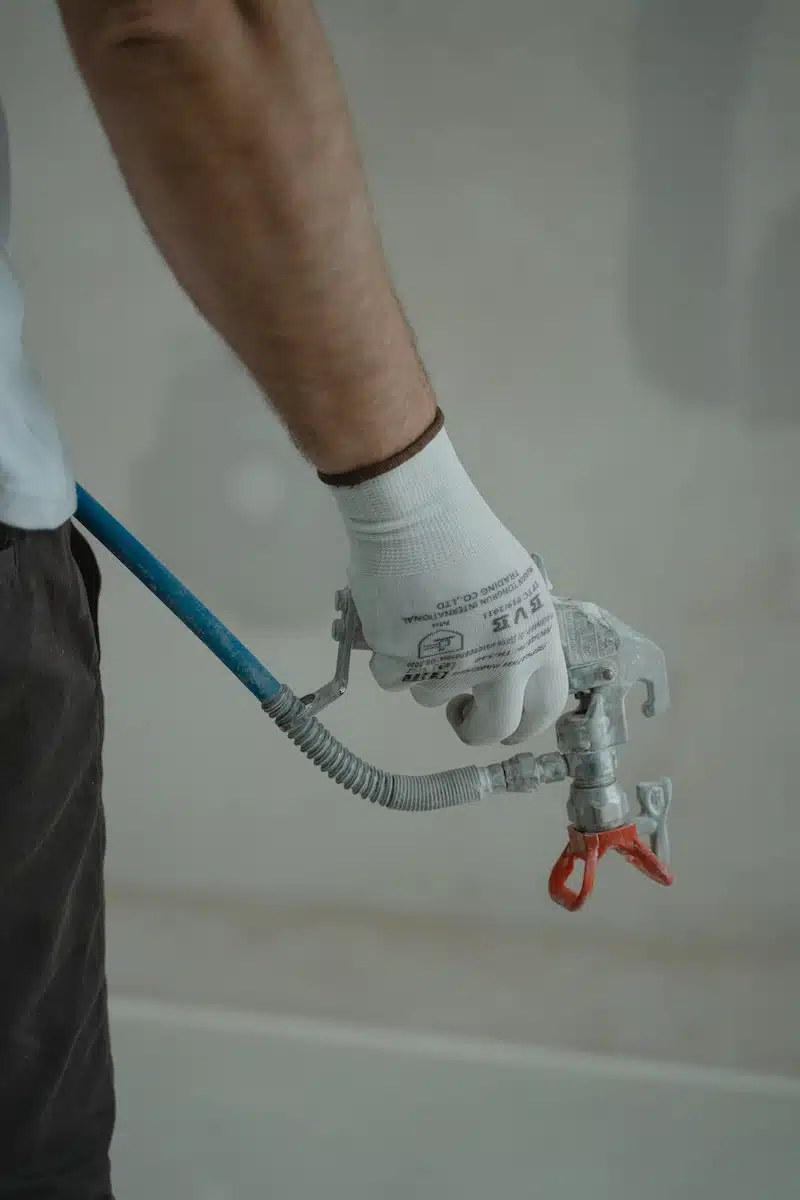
[37, 490]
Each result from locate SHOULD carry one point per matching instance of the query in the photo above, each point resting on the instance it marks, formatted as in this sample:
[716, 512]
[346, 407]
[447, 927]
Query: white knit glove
[450, 602]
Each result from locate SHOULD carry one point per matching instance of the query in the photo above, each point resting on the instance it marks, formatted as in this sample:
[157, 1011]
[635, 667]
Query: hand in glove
[452, 605]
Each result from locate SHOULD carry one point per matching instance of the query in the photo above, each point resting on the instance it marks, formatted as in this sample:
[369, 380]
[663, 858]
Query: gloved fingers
[545, 696]
[431, 695]
[509, 709]
[492, 712]
[392, 674]
[389, 672]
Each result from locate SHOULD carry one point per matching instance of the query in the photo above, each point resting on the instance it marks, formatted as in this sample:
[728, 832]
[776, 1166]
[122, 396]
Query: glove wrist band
[373, 471]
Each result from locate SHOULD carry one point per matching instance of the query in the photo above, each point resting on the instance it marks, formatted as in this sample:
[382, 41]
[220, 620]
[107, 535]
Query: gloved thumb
[492, 712]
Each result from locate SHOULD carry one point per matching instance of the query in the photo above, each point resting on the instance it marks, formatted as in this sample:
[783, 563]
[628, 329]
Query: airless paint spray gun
[605, 659]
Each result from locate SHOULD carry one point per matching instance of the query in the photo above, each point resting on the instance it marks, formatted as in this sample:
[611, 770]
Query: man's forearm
[232, 132]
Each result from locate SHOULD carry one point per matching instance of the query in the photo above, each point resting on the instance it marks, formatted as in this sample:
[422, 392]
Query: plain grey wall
[593, 216]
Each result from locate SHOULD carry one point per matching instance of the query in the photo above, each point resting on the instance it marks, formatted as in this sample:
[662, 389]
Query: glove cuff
[364, 474]
[418, 516]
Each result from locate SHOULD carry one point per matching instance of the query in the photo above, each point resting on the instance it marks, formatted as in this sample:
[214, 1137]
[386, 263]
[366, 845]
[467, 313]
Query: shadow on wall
[690, 75]
[233, 507]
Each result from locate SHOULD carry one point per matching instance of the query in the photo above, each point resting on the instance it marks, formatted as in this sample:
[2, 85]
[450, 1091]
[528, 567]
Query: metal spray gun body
[605, 659]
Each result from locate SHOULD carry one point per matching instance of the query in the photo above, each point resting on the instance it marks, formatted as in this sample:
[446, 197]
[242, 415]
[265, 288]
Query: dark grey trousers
[56, 1076]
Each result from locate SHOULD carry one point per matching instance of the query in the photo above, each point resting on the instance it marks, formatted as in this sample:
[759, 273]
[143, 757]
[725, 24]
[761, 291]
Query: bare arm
[231, 129]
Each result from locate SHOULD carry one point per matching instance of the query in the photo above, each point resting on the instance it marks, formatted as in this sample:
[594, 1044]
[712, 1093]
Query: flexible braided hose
[405, 793]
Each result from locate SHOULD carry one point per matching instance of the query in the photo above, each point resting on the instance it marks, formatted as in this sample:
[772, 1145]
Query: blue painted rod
[170, 591]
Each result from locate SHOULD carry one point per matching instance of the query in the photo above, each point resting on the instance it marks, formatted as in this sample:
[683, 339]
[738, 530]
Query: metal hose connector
[404, 793]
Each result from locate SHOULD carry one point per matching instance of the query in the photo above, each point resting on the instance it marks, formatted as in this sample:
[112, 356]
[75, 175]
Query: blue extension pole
[170, 591]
